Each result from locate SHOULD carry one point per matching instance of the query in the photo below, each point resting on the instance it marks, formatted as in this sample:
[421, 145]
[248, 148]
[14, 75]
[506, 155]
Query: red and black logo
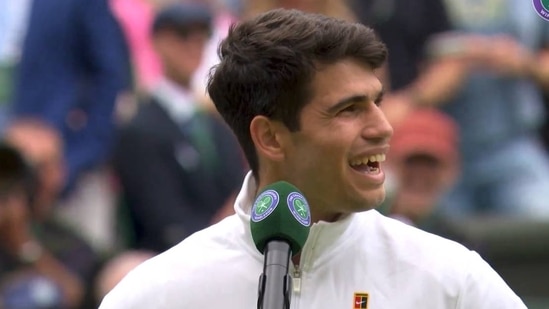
[361, 301]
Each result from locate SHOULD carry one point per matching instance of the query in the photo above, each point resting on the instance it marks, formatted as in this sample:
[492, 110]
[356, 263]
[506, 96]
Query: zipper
[306, 255]
[296, 286]
[296, 280]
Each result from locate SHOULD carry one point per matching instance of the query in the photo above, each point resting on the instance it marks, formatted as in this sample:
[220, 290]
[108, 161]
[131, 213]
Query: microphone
[280, 222]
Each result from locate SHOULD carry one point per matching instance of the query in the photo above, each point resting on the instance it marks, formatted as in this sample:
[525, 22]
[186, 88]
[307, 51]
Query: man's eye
[349, 109]
[378, 101]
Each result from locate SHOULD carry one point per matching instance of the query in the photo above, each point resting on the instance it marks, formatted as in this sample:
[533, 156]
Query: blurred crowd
[112, 152]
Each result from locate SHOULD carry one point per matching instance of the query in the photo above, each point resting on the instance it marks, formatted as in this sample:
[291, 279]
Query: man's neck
[315, 207]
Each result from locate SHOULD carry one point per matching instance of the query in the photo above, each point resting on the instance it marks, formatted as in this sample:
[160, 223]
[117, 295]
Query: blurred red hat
[427, 132]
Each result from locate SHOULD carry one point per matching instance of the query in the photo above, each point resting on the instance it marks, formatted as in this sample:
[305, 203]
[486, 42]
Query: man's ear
[267, 137]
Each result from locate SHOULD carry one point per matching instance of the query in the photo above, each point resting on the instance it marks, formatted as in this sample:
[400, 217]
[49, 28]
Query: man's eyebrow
[357, 98]
[380, 95]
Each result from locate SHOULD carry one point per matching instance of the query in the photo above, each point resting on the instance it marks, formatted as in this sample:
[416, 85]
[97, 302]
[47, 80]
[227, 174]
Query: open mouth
[368, 164]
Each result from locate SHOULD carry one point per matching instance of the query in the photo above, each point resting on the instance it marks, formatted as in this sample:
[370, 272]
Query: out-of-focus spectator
[74, 66]
[424, 161]
[499, 110]
[136, 17]
[43, 263]
[414, 77]
[177, 164]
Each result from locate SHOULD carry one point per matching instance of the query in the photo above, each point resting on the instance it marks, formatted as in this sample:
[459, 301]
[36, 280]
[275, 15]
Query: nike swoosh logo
[360, 302]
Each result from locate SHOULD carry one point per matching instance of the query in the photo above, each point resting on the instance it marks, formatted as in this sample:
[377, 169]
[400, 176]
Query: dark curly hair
[268, 63]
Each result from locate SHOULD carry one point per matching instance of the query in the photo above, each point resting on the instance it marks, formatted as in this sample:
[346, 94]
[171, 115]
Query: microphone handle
[275, 284]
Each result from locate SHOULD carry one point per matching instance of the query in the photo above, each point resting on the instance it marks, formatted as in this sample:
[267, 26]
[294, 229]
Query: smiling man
[301, 94]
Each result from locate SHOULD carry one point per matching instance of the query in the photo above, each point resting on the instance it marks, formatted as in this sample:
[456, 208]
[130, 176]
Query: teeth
[366, 159]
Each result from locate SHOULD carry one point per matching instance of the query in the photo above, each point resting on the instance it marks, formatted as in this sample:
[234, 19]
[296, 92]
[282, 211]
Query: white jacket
[396, 265]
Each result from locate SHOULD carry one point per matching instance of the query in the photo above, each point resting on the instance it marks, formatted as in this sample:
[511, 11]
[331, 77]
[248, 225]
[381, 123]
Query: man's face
[181, 55]
[43, 148]
[422, 180]
[421, 174]
[341, 128]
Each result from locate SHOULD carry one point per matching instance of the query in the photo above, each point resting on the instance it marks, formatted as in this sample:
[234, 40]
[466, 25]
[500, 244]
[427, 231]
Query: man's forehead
[344, 78]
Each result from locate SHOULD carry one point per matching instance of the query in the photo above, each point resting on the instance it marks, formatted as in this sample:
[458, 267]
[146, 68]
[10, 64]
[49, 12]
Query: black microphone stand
[275, 284]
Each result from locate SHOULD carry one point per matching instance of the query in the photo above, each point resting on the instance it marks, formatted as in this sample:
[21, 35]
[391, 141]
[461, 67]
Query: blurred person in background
[136, 17]
[179, 166]
[481, 65]
[505, 170]
[74, 66]
[414, 78]
[424, 161]
[44, 264]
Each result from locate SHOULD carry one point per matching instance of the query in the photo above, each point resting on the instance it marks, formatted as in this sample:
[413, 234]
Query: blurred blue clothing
[504, 168]
[510, 181]
[74, 64]
[31, 292]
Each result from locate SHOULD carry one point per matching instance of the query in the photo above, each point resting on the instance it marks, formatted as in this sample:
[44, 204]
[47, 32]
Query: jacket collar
[178, 102]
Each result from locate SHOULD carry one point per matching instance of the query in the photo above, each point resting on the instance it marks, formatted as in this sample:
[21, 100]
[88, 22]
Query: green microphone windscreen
[280, 212]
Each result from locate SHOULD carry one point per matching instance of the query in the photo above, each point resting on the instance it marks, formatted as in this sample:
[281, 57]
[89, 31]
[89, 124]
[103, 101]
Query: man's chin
[369, 202]
[375, 197]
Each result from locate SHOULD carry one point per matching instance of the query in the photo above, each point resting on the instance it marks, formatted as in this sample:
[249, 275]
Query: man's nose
[377, 128]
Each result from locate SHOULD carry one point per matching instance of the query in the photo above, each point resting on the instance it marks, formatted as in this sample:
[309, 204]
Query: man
[301, 93]
[177, 164]
[423, 165]
[73, 69]
[37, 253]
[424, 160]
[416, 75]
[499, 111]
